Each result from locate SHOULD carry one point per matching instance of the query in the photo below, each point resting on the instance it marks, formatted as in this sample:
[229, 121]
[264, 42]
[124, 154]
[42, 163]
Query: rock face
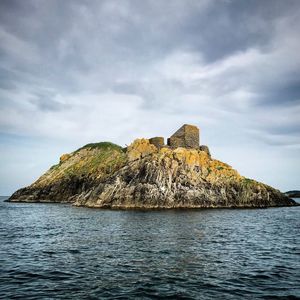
[146, 177]
[79, 173]
[205, 149]
[64, 157]
[293, 194]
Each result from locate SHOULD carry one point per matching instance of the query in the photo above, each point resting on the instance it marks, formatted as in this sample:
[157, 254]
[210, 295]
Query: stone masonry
[157, 141]
[186, 136]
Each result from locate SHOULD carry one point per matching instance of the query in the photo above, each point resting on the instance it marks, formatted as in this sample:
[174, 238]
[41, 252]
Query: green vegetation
[219, 168]
[99, 161]
[248, 181]
[54, 167]
[108, 158]
[101, 145]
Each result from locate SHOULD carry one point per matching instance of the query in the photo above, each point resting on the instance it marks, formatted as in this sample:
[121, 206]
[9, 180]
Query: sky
[76, 72]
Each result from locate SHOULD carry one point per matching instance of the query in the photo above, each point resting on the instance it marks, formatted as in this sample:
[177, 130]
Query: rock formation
[148, 175]
[293, 194]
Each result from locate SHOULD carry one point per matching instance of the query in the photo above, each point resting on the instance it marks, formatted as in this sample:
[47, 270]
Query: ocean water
[56, 251]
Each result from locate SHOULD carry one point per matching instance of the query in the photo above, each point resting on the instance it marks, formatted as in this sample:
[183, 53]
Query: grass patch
[54, 167]
[101, 145]
[107, 160]
[248, 181]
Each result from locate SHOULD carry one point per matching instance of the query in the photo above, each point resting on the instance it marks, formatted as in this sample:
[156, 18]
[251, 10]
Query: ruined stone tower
[157, 141]
[186, 136]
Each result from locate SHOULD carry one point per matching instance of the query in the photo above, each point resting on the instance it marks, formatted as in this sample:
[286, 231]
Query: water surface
[56, 251]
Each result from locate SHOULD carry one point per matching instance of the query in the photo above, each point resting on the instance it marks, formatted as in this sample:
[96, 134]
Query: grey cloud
[277, 140]
[78, 68]
[46, 102]
[285, 130]
[282, 94]
[78, 36]
[7, 79]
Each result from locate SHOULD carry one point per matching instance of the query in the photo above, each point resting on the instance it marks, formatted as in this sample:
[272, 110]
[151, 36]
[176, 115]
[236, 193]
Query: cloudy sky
[74, 72]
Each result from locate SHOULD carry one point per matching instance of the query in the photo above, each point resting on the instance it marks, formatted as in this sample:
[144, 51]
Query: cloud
[80, 71]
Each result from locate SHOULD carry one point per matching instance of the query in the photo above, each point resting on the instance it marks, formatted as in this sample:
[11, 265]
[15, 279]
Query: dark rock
[205, 149]
[293, 194]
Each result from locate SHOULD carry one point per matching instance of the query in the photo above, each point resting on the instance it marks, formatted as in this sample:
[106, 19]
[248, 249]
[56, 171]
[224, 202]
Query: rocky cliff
[146, 177]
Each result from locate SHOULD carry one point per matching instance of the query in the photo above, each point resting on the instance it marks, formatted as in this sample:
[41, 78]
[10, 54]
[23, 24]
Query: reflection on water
[59, 251]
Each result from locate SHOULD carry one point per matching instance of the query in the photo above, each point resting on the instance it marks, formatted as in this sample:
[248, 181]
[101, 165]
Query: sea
[58, 251]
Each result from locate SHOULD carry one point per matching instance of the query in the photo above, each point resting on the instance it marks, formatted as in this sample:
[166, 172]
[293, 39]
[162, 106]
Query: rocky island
[148, 175]
[293, 194]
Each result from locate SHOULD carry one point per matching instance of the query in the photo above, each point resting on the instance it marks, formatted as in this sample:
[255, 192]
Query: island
[293, 194]
[149, 174]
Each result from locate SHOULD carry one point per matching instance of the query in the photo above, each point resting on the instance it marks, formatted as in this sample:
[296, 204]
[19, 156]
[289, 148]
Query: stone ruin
[186, 136]
[158, 141]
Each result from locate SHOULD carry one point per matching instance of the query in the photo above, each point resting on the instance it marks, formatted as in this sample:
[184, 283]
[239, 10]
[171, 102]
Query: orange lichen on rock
[219, 171]
[64, 157]
[195, 162]
[139, 149]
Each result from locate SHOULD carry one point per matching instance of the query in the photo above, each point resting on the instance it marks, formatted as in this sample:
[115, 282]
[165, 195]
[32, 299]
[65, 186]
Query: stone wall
[186, 136]
[175, 142]
[157, 141]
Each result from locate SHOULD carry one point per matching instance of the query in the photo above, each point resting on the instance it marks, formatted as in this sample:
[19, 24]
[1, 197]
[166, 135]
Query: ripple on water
[58, 251]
